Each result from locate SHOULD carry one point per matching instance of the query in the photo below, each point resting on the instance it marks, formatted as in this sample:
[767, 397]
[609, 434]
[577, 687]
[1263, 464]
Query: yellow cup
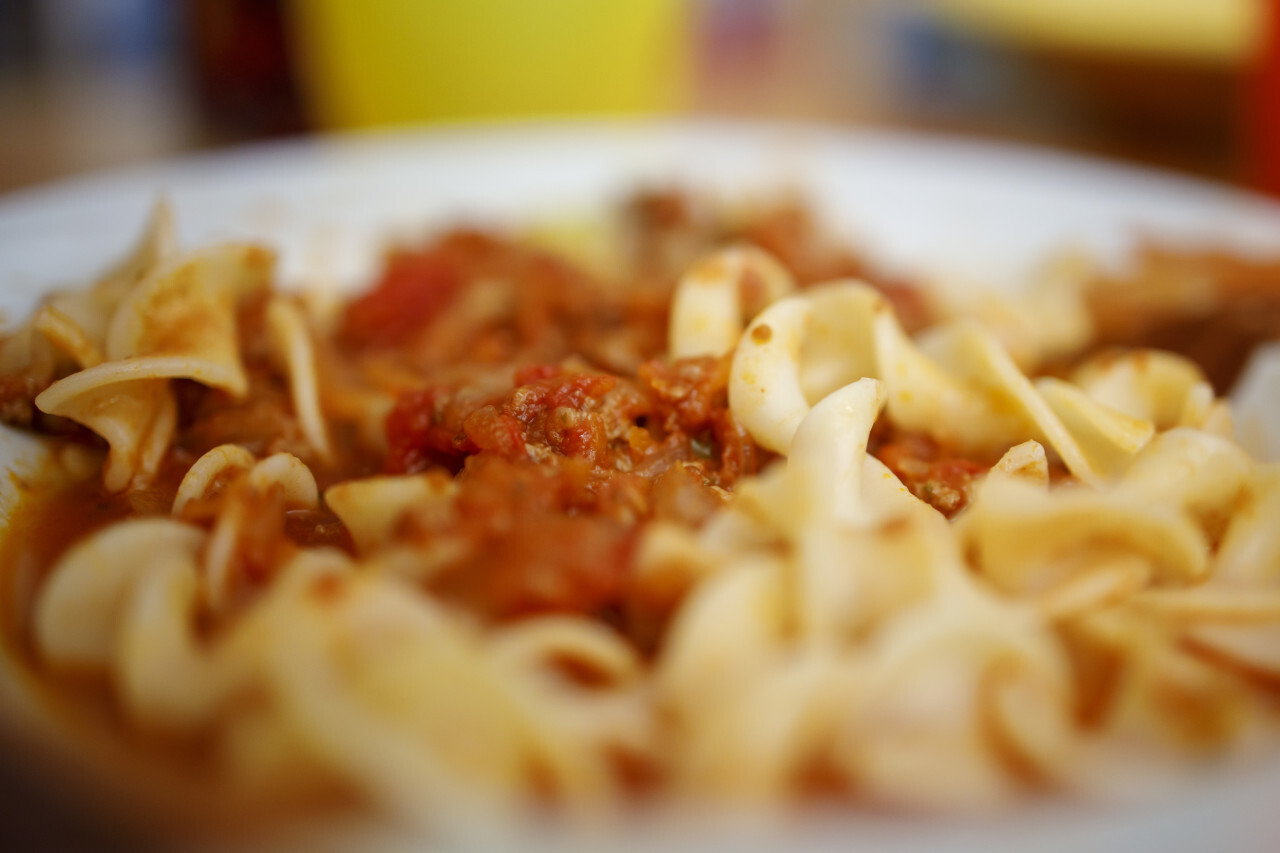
[370, 62]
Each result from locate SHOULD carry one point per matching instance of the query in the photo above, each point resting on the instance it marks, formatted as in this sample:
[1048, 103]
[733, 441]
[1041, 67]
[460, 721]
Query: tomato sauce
[539, 391]
[543, 390]
[939, 477]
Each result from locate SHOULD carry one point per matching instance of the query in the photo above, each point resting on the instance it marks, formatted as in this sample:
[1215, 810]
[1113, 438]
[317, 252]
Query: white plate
[984, 211]
[990, 211]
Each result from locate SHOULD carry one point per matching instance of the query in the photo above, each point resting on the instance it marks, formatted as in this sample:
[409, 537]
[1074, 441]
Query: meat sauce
[543, 392]
[548, 402]
[560, 462]
[938, 477]
[557, 475]
[1209, 305]
[538, 390]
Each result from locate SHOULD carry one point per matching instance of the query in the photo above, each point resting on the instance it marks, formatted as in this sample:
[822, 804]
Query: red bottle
[1263, 120]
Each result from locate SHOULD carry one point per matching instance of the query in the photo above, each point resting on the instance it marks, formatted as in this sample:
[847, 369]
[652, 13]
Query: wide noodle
[1105, 609]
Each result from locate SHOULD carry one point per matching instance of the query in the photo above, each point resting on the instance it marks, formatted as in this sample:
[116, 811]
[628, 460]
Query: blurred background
[1187, 85]
[1190, 85]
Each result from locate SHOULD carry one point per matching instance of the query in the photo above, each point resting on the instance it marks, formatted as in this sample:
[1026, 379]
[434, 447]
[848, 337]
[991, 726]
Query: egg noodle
[1103, 605]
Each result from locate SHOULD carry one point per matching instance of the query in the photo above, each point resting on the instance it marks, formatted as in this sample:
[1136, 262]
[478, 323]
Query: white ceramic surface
[913, 203]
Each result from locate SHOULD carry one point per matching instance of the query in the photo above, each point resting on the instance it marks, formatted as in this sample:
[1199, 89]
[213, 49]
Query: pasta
[503, 533]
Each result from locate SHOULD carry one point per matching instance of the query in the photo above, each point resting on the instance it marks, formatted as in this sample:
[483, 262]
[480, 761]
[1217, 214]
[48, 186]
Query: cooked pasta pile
[510, 529]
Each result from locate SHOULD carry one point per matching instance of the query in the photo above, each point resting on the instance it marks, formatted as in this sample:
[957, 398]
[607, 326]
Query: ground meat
[262, 422]
[544, 393]
[472, 296]
[942, 479]
[1211, 306]
[17, 393]
[533, 537]
[557, 477]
